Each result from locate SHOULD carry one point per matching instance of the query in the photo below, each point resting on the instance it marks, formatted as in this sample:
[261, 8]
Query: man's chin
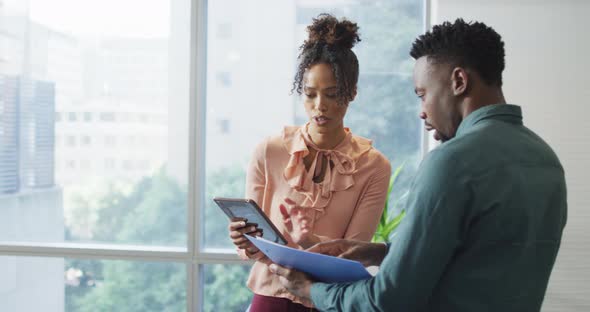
[440, 137]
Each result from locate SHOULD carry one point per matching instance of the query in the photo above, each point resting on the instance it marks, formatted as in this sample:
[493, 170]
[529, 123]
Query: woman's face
[321, 99]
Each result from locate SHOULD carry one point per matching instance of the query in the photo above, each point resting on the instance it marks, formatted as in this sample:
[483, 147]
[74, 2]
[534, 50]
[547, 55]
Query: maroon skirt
[273, 304]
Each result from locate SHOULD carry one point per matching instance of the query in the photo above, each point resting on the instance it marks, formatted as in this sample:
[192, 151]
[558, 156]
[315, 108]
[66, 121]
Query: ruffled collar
[337, 177]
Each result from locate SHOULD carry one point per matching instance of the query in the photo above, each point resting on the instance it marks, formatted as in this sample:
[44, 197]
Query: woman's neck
[327, 140]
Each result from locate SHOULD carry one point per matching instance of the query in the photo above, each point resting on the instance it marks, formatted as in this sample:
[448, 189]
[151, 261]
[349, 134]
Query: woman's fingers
[304, 223]
[251, 252]
[285, 213]
[286, 218]
[295, 218]
[240, 233]
[234, 225]
[244, 245]
[291, 211]
[237, 228]
[239, 238]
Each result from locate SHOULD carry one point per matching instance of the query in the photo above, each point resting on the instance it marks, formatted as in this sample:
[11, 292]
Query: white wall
[547, 73]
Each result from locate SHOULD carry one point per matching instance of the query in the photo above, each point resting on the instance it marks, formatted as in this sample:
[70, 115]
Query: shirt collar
[504, 112]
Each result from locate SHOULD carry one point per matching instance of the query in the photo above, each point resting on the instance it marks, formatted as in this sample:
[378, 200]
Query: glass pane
[93, 121]
[58, 285]
[225, 288]
[249, 78]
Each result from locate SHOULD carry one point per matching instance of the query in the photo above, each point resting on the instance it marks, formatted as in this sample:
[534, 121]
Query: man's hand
[297, 283]
[366, 253]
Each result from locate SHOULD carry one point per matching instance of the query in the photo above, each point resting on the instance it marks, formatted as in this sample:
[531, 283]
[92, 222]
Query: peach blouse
[346, 204]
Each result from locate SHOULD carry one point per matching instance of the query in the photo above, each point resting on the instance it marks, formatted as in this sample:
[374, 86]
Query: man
[487, 207]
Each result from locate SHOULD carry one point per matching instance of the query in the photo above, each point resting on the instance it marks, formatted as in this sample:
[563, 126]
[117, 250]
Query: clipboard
[322, 268]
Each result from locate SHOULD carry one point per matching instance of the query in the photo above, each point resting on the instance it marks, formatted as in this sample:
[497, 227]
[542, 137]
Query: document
[322, 268]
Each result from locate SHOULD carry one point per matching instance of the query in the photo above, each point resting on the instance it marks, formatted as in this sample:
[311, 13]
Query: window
[71, 164]
[143, 164]
[110, 141]
[90, 55]
[123, 199]
[108, 116]
[130, 140]
[224, 31]
[128, 164]
[84, 164]
[224, 79]
[72, 116]
[95, 285]
[86, 140]
[72, 141]
[87, 116]
[223, 126]
[109, 164]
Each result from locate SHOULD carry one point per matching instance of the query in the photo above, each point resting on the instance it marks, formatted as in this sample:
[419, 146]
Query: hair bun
[327, 29]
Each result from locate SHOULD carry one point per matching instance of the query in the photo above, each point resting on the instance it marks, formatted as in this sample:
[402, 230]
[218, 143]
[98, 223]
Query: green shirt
[485, 215]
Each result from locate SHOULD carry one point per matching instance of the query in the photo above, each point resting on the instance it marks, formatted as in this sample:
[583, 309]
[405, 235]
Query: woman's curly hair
[330, 41]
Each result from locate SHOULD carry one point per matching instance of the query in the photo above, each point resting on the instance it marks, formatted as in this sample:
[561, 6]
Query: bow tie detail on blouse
[340, 165]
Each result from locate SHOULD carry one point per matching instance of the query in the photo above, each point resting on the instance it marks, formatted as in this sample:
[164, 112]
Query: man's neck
[485, 97]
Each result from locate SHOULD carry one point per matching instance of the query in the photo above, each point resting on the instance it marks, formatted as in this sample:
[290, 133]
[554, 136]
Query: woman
[318, 181]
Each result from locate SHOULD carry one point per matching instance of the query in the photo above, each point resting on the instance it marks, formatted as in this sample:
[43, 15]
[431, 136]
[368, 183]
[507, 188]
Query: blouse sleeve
[256, 174]
[370, 206]
[256, 180]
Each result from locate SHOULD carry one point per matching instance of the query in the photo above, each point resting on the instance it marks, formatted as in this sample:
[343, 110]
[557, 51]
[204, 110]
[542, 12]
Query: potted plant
[387, 223]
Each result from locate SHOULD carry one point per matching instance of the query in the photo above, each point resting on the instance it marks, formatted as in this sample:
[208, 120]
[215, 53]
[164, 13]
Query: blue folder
[320, 267]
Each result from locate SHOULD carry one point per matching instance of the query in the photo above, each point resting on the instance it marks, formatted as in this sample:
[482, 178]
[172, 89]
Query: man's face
[439, 109]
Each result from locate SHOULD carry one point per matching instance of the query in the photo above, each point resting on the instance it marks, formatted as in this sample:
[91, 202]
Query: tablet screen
[248, 209]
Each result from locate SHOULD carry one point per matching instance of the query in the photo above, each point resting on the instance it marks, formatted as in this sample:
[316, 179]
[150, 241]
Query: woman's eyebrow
[325, 89]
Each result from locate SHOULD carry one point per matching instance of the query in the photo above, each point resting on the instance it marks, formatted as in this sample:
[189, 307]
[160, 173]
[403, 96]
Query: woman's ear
[460, 81]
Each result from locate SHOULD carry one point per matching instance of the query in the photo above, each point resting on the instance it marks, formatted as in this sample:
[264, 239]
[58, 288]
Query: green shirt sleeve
[422, 247]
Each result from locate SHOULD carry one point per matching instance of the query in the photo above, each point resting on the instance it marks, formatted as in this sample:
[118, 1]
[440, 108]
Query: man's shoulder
[492, 147]
[454, 161]
[442, 160]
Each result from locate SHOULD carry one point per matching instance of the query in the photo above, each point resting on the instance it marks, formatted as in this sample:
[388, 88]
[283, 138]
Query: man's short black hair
[471, 45]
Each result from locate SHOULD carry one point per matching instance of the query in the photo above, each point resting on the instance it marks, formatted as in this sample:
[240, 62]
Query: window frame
[195, 254]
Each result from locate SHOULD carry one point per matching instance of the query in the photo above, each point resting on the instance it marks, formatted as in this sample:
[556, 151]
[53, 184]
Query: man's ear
[353, 94]
[459, 80]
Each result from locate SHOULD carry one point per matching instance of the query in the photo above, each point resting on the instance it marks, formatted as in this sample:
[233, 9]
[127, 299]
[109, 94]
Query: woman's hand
[237, 228]
[298, 223]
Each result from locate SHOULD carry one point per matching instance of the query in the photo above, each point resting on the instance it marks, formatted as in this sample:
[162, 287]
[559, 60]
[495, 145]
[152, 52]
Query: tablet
[248, 209]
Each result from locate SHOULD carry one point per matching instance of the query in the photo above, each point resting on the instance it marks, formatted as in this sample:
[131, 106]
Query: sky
[134, 18]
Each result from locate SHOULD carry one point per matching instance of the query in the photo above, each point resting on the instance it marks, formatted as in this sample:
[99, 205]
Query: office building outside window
[119, 94]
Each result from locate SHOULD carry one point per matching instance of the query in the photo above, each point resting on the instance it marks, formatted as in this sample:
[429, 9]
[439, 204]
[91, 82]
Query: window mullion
[96, 251]
[196, 142]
